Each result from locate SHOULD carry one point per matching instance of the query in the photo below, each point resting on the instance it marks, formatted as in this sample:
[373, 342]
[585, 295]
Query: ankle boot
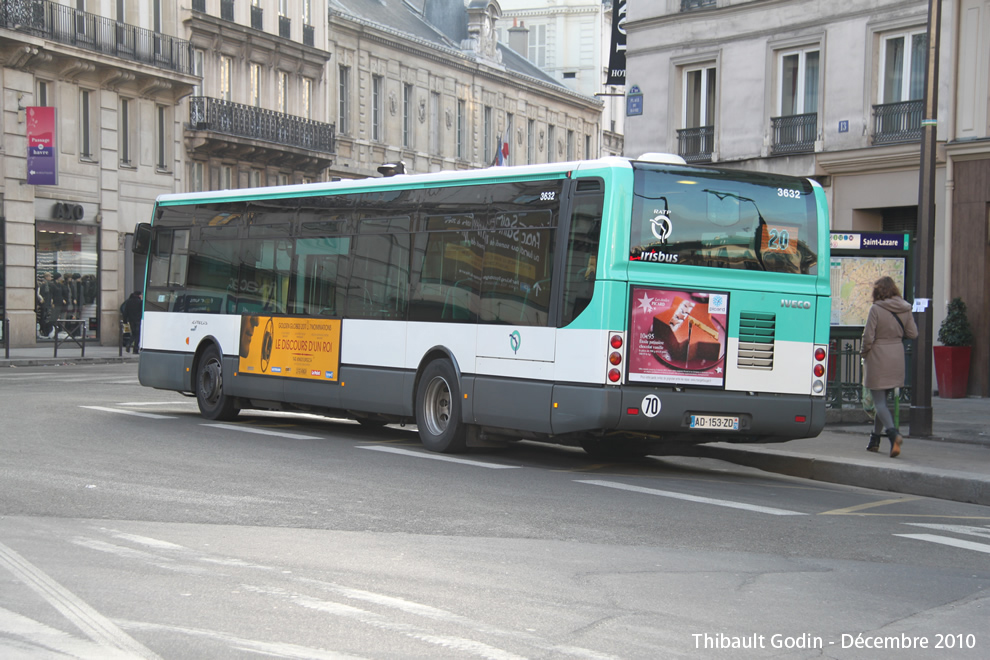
[895, 442]
[874, 445]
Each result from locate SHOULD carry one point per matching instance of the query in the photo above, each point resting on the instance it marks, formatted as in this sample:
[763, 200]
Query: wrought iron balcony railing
[695, 145]
[897, 122]
[688, 5]
[257, 18]
[57, 22]
[217, 115]
[284, 27]
[308, 35]
[227, 10]
[793, 134]
[199, 5]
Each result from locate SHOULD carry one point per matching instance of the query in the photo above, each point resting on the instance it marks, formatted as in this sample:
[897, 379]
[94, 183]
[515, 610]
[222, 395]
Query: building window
[198, 72]
[538, 45]
[69, 250]
[435, 123]
[897, 118]
[227, 178]
[902, 63]
[530, 141]
[283, 90]
[796, 126]
[376, 108]
[85, 124]
[407, 101]
[256, 178]
[695, 141]
[42, 99]
[344, 97]
[163, 138]
[255, 75]
[307, 12]
[489, 140]
[551, 143]
[570, 145]
[461, 127]
[587, 146]
[197, 176]
[506, 145]
[124, 129]
[226, 65]
[307, 98]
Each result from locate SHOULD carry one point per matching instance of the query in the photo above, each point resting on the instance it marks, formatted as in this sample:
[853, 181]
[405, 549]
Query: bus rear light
[614, 359]
[632, 411]
[820, 354]
[614, 375]
[616, 342]
[819, 370]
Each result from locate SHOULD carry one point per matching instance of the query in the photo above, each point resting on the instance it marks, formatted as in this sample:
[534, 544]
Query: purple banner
[42, 162]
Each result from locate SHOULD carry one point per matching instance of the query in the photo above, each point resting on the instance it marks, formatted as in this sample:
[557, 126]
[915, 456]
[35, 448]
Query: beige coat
[882, 345]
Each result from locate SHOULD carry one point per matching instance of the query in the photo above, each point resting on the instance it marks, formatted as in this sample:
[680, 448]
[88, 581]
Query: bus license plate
[712, 422]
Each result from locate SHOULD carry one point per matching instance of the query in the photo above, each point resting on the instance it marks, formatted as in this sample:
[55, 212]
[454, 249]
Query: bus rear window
[722, 219]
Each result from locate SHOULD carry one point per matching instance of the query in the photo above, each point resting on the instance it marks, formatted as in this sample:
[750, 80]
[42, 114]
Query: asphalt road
[131, 527]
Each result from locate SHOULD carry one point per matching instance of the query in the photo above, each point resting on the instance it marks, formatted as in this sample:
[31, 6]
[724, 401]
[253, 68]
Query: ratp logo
[515, 340]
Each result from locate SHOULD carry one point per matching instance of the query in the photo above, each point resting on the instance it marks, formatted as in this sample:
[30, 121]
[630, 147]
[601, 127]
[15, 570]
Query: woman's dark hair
[885, 288]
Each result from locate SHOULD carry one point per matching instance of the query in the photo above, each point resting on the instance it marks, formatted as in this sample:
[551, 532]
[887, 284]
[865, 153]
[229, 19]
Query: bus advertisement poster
[677, 337]
[290, 347]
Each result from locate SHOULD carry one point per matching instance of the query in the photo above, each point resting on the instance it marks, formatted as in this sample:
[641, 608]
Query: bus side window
[582, 255]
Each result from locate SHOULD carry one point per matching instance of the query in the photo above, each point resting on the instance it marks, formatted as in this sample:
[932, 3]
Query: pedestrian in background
[132, 309]
[888, 323]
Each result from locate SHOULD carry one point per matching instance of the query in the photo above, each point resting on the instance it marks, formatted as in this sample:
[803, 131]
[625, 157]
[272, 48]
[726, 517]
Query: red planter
[952, 370]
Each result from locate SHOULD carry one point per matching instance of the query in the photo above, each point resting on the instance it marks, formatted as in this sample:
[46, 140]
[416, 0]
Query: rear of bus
[723, 333]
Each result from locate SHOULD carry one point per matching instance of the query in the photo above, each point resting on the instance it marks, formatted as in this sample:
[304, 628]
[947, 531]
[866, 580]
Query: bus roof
[397, 181]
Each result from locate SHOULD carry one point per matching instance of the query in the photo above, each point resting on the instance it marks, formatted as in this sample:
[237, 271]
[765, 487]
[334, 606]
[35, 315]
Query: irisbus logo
[797, 304]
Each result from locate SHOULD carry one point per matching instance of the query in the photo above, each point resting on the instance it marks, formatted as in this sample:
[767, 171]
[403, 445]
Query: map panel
[852, 285]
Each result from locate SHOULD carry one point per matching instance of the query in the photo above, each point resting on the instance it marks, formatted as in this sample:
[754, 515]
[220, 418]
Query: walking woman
[888, 323]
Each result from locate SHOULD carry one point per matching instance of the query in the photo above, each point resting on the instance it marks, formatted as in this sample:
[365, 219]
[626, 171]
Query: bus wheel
[213, 403]
[438, 409]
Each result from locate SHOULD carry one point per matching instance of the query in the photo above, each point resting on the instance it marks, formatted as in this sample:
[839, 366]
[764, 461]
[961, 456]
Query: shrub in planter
[952, 358]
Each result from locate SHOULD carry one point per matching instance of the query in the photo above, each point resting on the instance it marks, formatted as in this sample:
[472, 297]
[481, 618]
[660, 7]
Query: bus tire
[438, 409]
[213, 403]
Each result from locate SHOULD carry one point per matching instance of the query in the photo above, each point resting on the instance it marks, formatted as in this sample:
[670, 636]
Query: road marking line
[438, 457]
[945, 540]
[694, 498]
[157, 403]
[128, 412]
[93, 624]
[249, 429]
[958, 529]
[868, 505]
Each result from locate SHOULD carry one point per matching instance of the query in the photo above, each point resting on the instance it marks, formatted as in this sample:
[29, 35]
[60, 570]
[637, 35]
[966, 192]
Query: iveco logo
[800, 304]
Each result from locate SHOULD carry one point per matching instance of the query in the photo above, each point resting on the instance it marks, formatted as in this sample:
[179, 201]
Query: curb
[62, 361]
[941, 484]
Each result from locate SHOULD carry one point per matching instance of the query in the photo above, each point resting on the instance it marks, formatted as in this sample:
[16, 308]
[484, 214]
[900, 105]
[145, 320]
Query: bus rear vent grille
[756, 338]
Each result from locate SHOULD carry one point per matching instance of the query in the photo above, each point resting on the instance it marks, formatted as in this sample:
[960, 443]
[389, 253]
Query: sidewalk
[952, 464]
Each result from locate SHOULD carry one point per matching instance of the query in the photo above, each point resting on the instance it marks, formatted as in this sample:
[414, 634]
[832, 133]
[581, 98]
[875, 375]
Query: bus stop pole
[921, 393]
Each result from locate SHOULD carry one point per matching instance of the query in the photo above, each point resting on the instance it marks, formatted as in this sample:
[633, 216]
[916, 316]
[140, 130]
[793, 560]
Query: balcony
[793, 134]
[696, 145]
[63, 24]
[227, 10]
[199, 5]
[257, 18]
[284, 27]
[308, 35]
[897, 122]
[247, 121]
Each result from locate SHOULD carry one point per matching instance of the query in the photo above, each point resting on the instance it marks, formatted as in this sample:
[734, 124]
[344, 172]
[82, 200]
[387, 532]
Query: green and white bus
[620, 305]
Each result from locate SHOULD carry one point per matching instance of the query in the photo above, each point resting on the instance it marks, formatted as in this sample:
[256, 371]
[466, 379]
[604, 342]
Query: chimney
[519, 38]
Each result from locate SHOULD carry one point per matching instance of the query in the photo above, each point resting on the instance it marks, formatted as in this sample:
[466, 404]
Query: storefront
[67, 267]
